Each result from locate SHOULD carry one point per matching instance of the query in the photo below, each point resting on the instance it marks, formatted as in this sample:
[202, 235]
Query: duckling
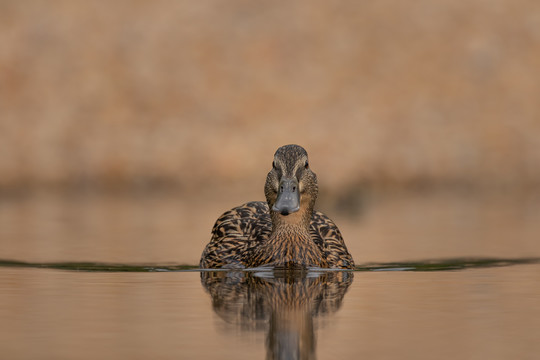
[283, 232]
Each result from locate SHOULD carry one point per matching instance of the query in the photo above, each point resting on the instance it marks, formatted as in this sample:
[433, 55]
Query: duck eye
[273, 164]
[307, 165]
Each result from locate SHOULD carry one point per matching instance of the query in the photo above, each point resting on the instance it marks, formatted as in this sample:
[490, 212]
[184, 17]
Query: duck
[283, 232]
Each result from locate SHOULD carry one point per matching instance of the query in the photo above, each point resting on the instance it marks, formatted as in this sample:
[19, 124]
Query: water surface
[84, 277]
[488, 309]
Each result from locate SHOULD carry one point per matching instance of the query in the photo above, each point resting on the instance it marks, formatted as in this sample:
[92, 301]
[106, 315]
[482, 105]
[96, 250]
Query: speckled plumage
[252, 234]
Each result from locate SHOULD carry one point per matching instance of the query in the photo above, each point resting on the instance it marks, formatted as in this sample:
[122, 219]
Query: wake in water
[425, 265]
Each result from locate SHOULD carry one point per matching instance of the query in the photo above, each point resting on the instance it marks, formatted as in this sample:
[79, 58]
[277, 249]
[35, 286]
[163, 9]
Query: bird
[283, 232]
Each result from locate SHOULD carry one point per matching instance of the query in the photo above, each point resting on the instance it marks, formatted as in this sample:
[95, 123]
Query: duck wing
[327, 236]
[235, 235]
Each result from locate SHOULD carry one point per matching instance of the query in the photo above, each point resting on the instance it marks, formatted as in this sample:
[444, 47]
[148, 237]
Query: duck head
[291, 187]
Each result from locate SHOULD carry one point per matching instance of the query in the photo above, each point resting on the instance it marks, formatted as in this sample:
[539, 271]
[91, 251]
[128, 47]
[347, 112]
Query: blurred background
[128, 127]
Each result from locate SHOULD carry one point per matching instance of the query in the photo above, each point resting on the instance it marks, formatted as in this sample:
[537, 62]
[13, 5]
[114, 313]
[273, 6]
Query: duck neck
[290, 243]
[299, 221]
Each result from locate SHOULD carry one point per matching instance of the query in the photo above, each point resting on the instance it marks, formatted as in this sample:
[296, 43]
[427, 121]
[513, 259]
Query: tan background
[188, 93]
[173, 110]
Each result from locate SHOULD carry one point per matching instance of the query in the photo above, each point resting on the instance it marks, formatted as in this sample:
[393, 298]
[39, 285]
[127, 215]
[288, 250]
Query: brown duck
[284, 231]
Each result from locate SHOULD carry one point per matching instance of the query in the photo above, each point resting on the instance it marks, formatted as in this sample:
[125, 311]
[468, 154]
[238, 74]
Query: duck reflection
[282, 303]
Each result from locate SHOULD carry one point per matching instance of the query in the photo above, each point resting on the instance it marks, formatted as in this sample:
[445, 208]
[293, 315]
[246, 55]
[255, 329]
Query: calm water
[54, 304]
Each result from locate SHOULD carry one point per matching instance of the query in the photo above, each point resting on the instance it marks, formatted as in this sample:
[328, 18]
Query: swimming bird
[283, 232]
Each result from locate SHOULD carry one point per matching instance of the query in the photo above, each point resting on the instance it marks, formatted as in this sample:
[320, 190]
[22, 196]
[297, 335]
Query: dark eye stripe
[277, 169]
[299, 172]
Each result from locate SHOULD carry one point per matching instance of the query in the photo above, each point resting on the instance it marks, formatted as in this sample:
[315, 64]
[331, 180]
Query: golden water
[440, 309]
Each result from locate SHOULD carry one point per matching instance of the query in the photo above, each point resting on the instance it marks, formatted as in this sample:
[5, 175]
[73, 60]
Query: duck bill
[288, 200]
